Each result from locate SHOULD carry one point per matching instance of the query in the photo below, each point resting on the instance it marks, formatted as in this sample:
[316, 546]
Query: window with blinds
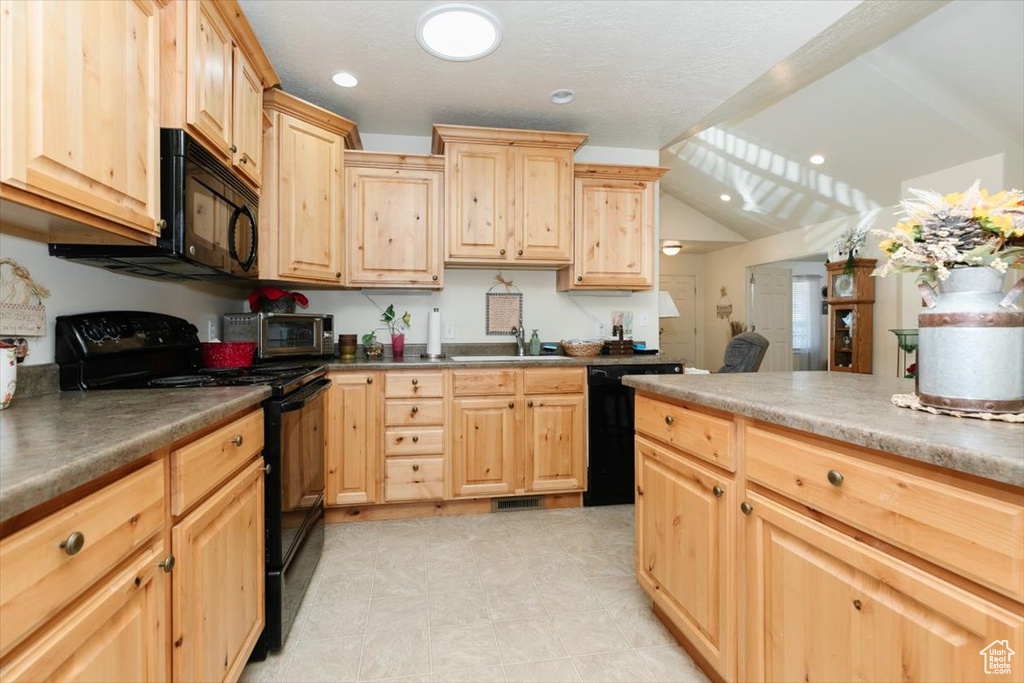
[801, 315]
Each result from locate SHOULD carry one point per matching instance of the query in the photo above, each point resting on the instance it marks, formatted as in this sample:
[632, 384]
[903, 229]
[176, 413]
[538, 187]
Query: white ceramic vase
[8, 375]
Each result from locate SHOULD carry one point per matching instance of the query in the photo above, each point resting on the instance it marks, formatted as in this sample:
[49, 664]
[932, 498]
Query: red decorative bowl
[227, 354]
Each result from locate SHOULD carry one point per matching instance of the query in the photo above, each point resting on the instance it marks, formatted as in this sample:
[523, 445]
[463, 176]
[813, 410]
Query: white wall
[76, 288]
[682, 222]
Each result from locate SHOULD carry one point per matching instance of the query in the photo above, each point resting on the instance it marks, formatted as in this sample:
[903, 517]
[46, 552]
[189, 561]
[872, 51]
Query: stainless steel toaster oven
[282, 334]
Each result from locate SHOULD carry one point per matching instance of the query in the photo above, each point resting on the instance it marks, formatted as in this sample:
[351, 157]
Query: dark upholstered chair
[745, 352]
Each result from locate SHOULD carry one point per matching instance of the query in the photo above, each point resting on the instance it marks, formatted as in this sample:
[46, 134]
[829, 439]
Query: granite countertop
[53, 443]
[411, 362]
[855, 409]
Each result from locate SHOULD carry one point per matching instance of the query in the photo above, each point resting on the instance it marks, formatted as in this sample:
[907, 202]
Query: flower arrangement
[959, 230]
[847, 246]
[395, 324]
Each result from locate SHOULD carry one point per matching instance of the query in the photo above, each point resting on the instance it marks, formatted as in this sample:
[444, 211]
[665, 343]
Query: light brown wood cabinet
[354, 430]
[508, 195]
[73, 144]
[247, 119]
[555, 447]
[614, 228]
[484, 446]
[302, 230]
[393, 224]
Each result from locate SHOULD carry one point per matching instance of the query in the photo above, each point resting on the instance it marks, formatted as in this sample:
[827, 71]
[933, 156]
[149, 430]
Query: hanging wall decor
[22, 312]
[504, 309]
[724, 308]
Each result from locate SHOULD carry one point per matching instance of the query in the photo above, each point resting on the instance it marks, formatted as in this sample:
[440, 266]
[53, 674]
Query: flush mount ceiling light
[725, 197]
[345, 79]
[562, 96]
[459, 32]
[817, 159]
[671, 248]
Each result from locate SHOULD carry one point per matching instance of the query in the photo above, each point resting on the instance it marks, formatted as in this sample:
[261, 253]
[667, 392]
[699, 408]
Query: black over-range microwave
[209, 215]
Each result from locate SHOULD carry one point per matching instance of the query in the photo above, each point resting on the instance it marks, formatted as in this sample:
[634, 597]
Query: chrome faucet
[520, 336]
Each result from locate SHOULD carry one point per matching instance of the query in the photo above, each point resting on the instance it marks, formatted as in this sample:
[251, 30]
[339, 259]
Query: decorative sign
[504, 309]
[21, 302]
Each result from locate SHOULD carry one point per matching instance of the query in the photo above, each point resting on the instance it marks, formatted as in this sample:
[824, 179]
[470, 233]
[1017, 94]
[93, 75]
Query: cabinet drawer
[978, 536]
[413, 385]
[483, 382]
[400, 412]
[199, 467]
[414, 479]
[705, 436]
[554, 381]
[39, 576]
[414, 441]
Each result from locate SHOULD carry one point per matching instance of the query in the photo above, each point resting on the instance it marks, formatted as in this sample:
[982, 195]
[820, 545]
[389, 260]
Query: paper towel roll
[434, 332]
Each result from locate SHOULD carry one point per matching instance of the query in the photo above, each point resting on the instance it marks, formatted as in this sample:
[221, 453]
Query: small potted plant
[397, 326]
[371, 347]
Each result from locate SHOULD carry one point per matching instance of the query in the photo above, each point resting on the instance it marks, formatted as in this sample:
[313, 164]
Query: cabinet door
[80, 83]
[353, 438]
[555, 449]
[217, 583]
[476, 204]
[685, 549]
[542, 204]
[393, 227]
[247, 120]
[310, 225]
[209, 75]
[614, 233]
[117, 633]
[483, 446]
[823, 606]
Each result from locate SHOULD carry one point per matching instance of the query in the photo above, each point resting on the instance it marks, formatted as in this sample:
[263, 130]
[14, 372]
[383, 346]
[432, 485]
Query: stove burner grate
[252, 379]
[181, 381]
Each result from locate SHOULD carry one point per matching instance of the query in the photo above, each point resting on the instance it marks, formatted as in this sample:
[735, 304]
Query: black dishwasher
[610, 474]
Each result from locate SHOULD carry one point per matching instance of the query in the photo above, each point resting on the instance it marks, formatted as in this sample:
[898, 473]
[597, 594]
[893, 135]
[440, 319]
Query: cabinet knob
[267, 468]
[835, 477]
[369, 380]
[529, 404]
[244, 159]
[168, 564]
[237, 440]
[161, 224]
[717, 490]
[746, 508]
[434, 278]
[415, 409]
[511, 404]
[415, 381]
[520, 252]
[415, 439]
[74, 543]
[502, 252]
[669, 419]
[337, 276]
[579, 278]
[415, 468]
[232, 149]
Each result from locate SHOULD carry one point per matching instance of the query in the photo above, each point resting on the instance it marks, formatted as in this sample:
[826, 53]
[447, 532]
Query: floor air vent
[511, 504]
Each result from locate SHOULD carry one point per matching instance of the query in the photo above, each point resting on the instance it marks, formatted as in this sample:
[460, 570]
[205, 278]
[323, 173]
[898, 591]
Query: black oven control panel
[113, 332]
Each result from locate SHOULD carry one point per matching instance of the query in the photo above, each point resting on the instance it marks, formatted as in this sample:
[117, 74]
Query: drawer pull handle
[746, 508]
[243, 159]
[168, 564]
[835, 477]
[529, 404]
[74, 543]
[369, 380]
[434, 278]
[415, 468]
[415, 382]
[520, 252]
[415, 439]
[415, 409]
[717, 490]
[237, 440]
[502, 252]
[511, 405]
[669, 419]
[267, 468]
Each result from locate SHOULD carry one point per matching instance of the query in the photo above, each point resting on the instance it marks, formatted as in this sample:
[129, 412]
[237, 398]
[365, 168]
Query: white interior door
[679, 335]
[772, 315]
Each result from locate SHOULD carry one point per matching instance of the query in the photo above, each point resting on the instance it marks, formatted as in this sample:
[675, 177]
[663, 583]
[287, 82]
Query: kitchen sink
[506, 359]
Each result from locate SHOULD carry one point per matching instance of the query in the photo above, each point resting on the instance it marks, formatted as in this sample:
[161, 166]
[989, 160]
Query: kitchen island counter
[411, 362]
[854, 409]
[53, 443]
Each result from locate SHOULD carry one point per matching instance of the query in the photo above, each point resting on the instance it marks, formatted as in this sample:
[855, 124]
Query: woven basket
[583, 348]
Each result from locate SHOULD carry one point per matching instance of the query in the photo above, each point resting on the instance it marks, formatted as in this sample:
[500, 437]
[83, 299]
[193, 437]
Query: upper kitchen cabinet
[614, 228]
[79, 130]
[302, 229]
[393, 220]
[214, 73]
[508, 195]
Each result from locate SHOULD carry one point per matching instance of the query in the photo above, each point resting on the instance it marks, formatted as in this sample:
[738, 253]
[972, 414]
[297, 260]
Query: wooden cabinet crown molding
[445, 133]
[247, 40]
[280, 101]
[617, 172]
[411, 162]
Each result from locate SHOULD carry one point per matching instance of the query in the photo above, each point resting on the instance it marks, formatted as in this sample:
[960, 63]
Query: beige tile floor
[545, 595]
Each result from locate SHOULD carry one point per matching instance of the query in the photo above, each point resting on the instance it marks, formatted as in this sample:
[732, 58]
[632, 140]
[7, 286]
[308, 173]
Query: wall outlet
[449, 330]
[599, 330]
[645, 319]
[211, 329]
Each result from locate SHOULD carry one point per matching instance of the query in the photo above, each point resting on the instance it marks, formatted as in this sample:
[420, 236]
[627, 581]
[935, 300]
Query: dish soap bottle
[535, 344]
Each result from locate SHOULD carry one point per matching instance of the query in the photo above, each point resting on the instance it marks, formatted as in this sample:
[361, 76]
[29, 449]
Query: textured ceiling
[943, 92]
[644, 71]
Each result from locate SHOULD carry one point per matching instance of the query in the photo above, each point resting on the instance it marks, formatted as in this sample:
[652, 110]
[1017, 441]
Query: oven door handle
[306, 395]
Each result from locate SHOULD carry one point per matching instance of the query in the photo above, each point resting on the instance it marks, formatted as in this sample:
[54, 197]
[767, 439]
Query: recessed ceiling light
[817, 159]
[671, 248]
[725, 197]
[459, 32]
[562, 96]
[345, 79]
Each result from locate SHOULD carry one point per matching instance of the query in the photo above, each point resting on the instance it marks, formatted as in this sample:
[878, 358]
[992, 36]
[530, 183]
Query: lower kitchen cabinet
[484, 446]
[118, 633]
[556, 454]
[353, 438]
[685, 527]
[217, 584]
[823, 606]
